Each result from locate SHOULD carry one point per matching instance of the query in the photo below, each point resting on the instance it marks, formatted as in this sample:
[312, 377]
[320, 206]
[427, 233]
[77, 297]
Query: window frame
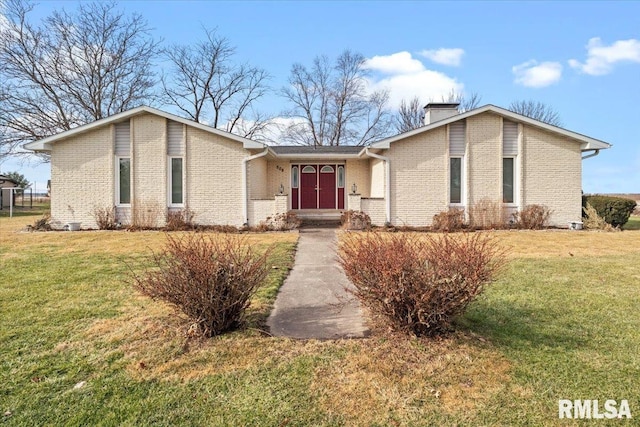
[118, 189]
[514, 183]
[295, 176]
[170, 202]
[340, 177]
[461, 203]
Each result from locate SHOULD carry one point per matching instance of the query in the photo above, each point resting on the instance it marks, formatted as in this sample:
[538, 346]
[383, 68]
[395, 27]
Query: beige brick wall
[552, 174]
[149, 166]
[377, 178]
[214, 174]
[82, 177]
[375, 208]
[357, 171]
[278, 172]
[418, 178]
[260, 210]
[256, 172]
[484, 158]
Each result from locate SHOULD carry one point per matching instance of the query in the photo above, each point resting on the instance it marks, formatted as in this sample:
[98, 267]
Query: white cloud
[397, 63]
[444, 56]
[601, 58]
[406, 77]
[532, 74]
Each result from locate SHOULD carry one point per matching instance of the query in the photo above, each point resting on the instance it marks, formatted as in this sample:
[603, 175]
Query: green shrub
[449, 220]
[614, 210]
[419, 283]
[211, 280]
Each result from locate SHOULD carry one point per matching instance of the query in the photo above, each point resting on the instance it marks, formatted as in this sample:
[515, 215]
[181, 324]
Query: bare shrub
[355, 220]
[419, 283]
[450, 220]
[145, 215]
[593, 221]
[532, 217]
[41, 224]
[105, 217]
[280, 222]
[180, 220]
[488, 215]
[210, 279]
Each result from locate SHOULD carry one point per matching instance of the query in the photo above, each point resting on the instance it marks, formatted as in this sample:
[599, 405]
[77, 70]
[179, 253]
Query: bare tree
[332, 105]
[69, 70]
[410, 115]
[206, 85]
[536, 110]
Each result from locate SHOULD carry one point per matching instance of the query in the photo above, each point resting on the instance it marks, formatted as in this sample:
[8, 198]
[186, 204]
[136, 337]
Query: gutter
[387, 182]
[595, 153]
[245, 195]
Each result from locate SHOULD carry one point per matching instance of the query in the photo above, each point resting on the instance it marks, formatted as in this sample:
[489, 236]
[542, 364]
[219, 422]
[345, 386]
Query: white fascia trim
[323, 156]
[588, 143]
[45, 143]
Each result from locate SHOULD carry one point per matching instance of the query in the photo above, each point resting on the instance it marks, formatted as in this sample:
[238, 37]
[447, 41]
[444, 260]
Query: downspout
[245, 196]
[387, 182]
[595, 153]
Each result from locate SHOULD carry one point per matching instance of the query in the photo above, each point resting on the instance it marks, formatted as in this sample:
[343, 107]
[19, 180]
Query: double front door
[321, 187]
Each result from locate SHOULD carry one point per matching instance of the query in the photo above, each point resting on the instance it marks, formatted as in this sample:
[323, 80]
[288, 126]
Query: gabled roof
[587, 143]
[45, 144]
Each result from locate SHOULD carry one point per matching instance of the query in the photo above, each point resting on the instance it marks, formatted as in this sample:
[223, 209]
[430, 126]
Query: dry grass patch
[564, 243]
[387, 381]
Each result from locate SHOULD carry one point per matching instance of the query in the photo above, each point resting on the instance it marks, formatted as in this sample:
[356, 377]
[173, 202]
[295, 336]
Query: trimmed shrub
[180, 220]
[532, 217]
[614, 210]
[355, 220]
[419, 284]
[593, 221]
[488, 215]
[211, 280]
[451, 220]
[105, 217]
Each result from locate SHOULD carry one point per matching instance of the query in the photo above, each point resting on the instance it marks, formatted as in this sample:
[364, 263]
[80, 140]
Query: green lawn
[562, 322]
[633, 223]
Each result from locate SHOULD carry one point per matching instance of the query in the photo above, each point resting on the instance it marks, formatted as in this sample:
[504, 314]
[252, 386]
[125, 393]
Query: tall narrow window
[507, 180]
[457, 137]
[509, 155]
[176, 181]
[124, 181]
[294, 177]
[340, 176]
[455, 180]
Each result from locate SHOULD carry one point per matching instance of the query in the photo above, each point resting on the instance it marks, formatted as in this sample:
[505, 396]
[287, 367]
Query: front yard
[78, 346]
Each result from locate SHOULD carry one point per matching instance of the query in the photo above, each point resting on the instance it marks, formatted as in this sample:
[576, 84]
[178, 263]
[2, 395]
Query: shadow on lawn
[520, 328]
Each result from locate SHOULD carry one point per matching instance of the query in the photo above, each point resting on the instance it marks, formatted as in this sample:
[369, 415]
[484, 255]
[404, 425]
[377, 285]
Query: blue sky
[582, 58]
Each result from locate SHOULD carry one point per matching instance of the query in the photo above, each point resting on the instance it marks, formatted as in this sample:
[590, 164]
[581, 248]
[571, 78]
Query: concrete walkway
[313, 301]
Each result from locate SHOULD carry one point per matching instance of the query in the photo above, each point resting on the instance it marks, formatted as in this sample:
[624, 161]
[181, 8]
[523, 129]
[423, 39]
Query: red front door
[308, 187]
[327, 187]
[317, 187]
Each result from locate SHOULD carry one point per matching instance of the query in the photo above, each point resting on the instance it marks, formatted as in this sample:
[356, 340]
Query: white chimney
[436, 111]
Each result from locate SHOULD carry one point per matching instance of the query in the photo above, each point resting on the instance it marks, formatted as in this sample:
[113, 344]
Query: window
[508, 180]
[308, 169]
[294, 177]
[455, 180]
[124, 181]
[176, 182]
[326, 169]
[340, 176]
